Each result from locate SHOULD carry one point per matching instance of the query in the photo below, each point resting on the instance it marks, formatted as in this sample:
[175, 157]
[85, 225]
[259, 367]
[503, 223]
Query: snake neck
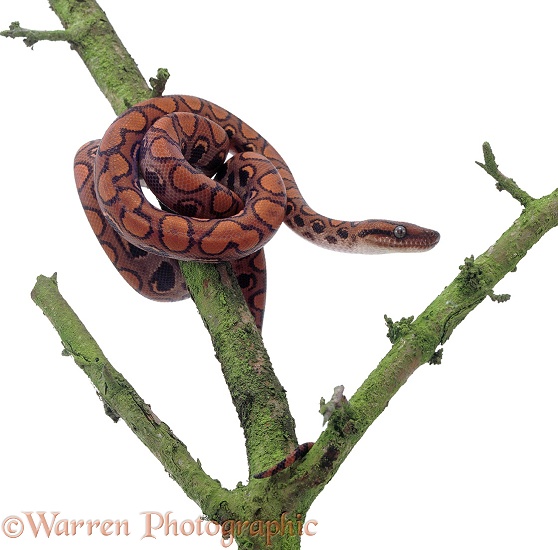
[356, 237]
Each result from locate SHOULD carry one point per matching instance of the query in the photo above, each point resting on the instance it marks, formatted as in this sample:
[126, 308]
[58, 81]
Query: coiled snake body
[213, 209]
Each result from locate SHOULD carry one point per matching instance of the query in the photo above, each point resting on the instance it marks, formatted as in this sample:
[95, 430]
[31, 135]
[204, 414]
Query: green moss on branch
[121, 397]
[257, 394]
[503, 183]
[418, 343]
[31, 37]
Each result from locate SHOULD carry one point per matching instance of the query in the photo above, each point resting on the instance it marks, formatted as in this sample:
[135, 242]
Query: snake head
[385, 236]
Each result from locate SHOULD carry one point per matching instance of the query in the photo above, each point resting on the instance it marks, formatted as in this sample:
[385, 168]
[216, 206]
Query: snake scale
[223, 192]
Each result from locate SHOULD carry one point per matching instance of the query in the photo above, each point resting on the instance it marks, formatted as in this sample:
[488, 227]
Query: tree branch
[123, 400]
[90, 34]
[503, 183]
[259, 397]
[31, 37]
[416, 342]
[257, 394]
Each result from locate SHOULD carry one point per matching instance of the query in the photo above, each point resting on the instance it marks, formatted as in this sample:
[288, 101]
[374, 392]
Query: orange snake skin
[213, 208]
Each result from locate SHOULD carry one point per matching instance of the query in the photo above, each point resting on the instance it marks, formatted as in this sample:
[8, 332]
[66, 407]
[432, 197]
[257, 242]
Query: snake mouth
[434, 239]
[427, 240]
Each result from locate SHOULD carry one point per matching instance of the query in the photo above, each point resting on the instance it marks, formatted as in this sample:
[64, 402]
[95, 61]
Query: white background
[380, 109]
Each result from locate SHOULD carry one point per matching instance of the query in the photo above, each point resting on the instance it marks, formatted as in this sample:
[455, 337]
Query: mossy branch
[119, 78]
[159, 82]
[89, 32]
[31, 37]
[416, 342]
[503, 183]
[123, 400]
[257, 394]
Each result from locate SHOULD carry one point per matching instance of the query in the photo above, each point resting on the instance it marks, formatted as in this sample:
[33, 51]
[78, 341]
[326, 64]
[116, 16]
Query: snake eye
[399, 231]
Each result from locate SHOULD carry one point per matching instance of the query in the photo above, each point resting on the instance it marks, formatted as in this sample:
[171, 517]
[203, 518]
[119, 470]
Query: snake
[222, 191]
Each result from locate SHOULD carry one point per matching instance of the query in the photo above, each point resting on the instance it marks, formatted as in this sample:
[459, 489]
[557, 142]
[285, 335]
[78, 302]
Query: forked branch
[257, 393]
